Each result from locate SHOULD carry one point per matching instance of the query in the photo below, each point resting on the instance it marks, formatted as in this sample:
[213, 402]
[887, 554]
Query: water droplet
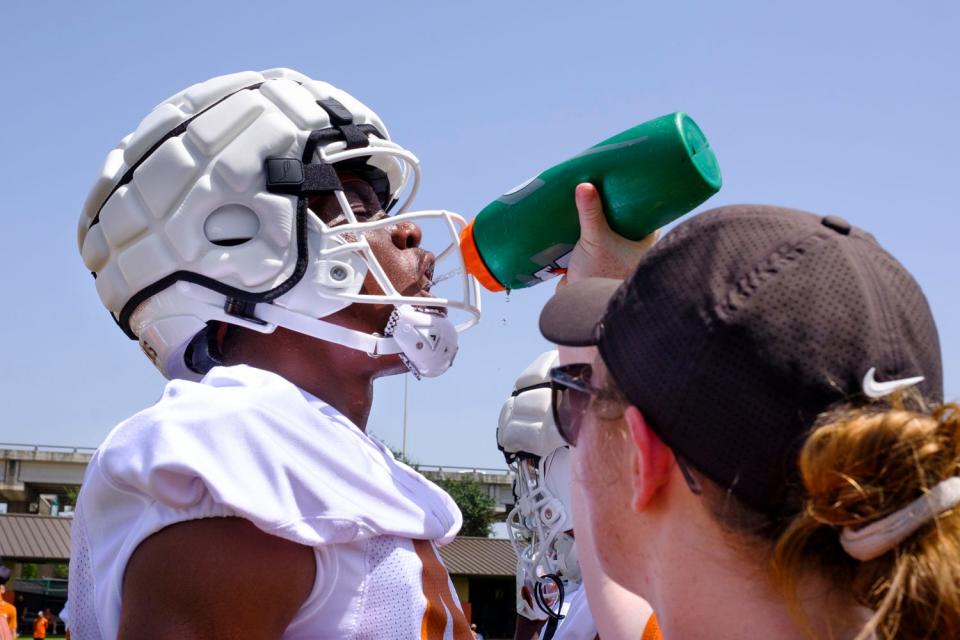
[503, 321]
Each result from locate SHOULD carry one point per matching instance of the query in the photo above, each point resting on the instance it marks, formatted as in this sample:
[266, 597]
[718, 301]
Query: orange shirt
[652, 630]
[40, 628]
[10, 611]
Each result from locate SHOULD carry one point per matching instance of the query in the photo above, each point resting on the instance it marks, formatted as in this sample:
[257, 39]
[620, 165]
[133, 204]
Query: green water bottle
[647, 176]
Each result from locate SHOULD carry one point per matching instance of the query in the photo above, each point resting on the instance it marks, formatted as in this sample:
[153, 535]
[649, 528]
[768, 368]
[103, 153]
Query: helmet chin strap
[425, 341]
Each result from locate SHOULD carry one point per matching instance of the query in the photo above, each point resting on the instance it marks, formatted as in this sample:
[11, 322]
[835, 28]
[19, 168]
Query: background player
[551, 602]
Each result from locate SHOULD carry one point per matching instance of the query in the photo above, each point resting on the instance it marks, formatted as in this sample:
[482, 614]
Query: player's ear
[652, 460]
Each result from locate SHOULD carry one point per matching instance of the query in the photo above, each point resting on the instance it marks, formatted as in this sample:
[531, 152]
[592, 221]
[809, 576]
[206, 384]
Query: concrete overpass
[29, 473]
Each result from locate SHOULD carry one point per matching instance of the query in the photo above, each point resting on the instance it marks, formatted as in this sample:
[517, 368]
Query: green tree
[402, 458]
[69, 496]
[474, 502]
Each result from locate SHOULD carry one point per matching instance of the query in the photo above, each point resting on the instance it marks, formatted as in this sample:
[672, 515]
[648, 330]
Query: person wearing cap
[761, 441]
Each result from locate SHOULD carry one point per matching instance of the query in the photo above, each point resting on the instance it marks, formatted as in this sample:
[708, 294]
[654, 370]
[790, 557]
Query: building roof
[27, 538]
[31, 538]
[479, 557]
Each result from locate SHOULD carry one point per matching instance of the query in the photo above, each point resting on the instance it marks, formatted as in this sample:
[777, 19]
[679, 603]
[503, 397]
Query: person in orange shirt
[40, 626]
[8, 614]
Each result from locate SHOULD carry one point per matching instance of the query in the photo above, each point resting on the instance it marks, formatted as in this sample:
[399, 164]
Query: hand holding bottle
[600, 251]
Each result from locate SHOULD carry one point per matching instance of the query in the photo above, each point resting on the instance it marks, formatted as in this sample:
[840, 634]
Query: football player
[551, 603]
[252, 236]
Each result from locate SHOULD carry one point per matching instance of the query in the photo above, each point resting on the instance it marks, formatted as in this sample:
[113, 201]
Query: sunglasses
[572, 392]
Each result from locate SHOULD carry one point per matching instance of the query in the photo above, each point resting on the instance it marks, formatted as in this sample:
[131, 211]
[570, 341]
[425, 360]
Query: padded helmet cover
[181, 222]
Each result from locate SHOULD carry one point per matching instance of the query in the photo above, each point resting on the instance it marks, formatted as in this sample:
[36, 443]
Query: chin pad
[428, 341]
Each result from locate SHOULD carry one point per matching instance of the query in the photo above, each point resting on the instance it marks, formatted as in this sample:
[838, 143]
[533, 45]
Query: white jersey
[577, 623]
[246, 443]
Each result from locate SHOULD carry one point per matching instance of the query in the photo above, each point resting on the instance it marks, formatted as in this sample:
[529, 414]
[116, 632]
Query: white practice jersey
[577, 623]
[246, 443]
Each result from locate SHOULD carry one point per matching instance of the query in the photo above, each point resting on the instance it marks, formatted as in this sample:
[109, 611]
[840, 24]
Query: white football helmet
[540, 523]
[201, 216]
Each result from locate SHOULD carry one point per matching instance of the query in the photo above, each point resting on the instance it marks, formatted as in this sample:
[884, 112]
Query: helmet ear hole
[202, 354]
[231, 225]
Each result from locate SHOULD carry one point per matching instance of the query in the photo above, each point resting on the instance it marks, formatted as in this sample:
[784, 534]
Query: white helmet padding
[526, 420]
[201, 215]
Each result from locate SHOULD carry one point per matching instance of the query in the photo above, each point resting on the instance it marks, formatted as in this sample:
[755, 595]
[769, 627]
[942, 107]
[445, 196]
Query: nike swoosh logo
[874, 389]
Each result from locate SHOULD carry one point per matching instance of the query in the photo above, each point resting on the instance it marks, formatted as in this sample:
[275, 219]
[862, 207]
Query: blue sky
[844, 108]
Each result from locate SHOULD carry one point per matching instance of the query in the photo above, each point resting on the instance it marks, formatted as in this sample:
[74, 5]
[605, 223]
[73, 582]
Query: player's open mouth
[426, 283]
[437, 311]
[428, 260]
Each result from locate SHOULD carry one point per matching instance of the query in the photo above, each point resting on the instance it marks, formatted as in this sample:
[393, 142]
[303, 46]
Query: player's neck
[346, 391]
[339, 376]
[705, 587]
[351, 395]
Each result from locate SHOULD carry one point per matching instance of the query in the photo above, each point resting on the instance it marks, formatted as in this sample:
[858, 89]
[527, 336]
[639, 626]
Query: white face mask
[540, 522]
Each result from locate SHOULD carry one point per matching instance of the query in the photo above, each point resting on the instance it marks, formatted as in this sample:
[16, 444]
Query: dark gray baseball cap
[743, 325]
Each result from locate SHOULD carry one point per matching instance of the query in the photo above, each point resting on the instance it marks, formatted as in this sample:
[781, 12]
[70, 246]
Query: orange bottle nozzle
[474, 262]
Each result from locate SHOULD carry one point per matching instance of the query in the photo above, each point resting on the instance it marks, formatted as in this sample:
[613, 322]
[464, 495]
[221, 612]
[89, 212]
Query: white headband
[875, 539]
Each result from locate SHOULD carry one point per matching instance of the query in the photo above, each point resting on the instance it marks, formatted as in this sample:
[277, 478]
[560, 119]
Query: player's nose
[406, 235]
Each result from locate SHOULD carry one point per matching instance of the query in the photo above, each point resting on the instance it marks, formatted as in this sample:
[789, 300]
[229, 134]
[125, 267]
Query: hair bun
[869, 469]
[861, 465]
